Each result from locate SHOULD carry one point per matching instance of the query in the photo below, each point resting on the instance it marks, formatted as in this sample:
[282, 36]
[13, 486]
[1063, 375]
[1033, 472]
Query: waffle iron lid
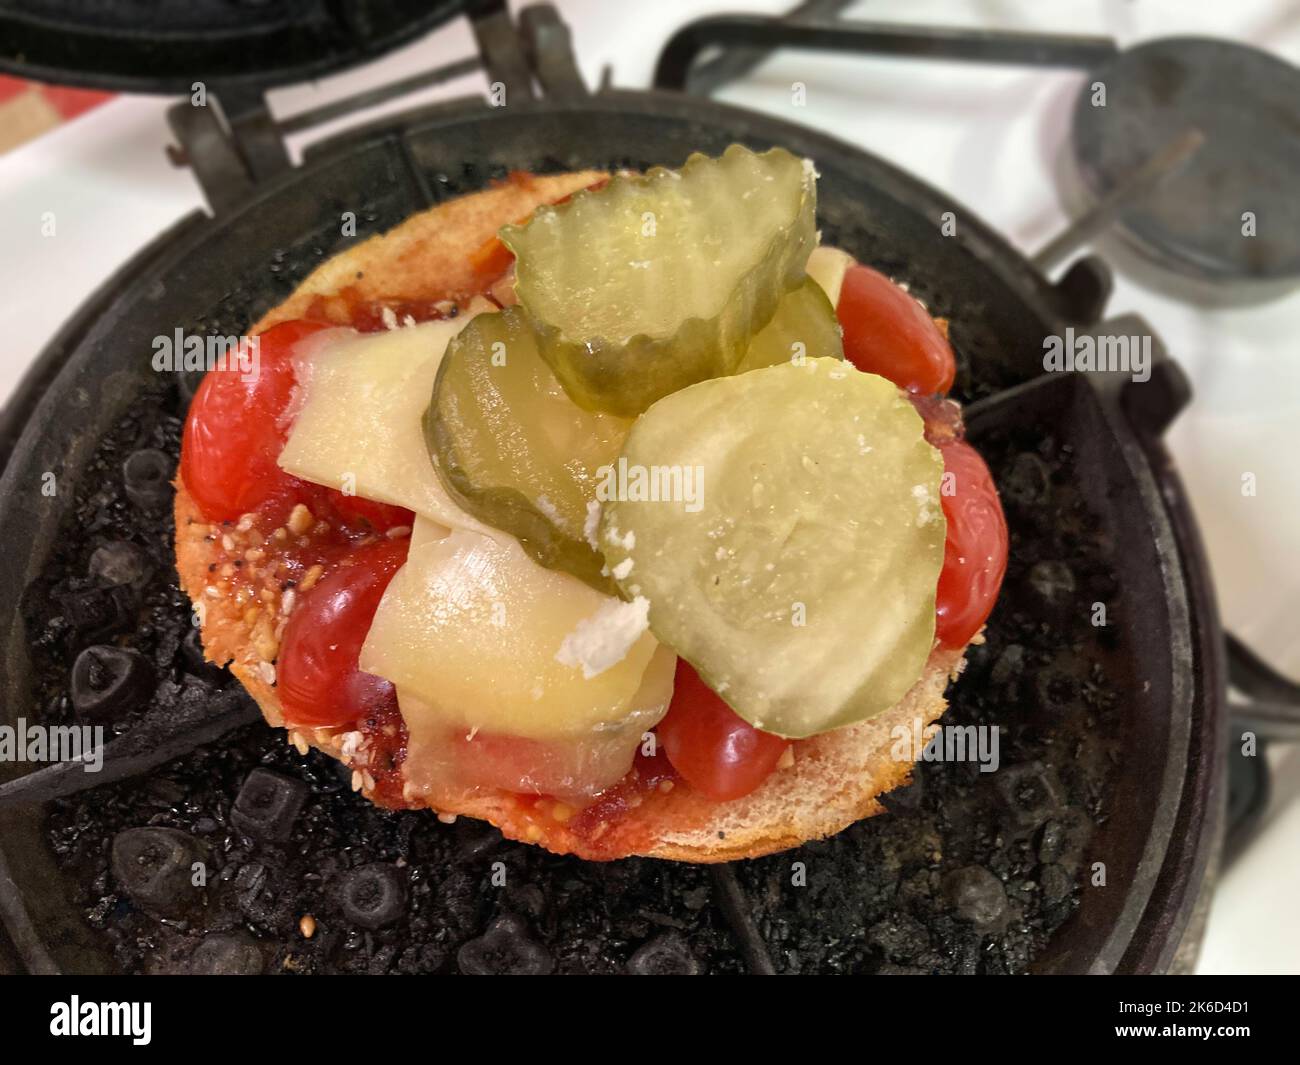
[165, 46]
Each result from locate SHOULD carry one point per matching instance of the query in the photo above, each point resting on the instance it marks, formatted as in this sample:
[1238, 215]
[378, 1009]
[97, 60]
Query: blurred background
[995, 137]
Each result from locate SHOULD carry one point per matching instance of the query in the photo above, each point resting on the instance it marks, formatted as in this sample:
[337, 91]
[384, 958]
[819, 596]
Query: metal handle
[233, 143]
[1265, 702]
[1144, 179]
[1261, 699]
[673, 70]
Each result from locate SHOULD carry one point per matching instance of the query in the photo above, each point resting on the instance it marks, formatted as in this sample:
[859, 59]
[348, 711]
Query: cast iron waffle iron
[1082, 852]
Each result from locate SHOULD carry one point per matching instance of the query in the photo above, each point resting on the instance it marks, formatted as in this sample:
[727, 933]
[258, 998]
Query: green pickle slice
[786, 526]
[804, 327]
[514, 450]
[660, 280]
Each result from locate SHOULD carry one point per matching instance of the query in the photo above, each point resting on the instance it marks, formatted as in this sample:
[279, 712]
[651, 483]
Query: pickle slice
[796, 567]
[657, 281]
[804, 327]
[513, 449]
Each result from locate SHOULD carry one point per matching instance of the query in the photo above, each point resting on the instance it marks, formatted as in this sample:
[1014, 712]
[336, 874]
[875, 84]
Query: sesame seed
[357, 780]
[300, 519]
[264, 641]
[307, 926]
[311, 577]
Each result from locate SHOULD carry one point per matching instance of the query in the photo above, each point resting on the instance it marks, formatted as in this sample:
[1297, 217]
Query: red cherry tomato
[715, 751]
[317, 675]
[381, 516]
[490, 261]
[232, 438]
[975, 552]
[887, 332]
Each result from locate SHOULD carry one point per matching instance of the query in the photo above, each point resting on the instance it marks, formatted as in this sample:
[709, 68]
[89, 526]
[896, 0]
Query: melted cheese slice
[442, 758]
[358, 428]
[827, 266]
[472, 629]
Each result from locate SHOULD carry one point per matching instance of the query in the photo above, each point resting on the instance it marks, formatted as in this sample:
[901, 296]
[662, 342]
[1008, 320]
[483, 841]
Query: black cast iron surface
[165, 47]
[968, 872]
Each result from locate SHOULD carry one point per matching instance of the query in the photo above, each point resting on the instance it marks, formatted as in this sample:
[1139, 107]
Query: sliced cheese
[827, 266]
[443, 758]
[358, 426]
[474, 628]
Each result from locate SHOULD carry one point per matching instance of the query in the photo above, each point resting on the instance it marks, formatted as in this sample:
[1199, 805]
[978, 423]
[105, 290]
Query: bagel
[833, 780]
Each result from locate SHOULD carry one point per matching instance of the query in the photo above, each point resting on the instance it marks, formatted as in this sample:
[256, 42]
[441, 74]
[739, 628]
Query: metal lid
[165, 46]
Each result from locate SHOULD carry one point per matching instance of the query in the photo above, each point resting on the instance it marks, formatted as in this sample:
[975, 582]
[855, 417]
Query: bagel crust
[833, 780]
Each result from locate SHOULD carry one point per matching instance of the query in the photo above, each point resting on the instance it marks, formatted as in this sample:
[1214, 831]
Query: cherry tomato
[975, 552]
[232, 438]
[715, 751]
[317, 675]
[889, 333]
[381, 516]
[490, 260]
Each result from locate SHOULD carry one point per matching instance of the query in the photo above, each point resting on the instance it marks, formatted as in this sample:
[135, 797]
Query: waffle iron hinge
[229, 138]
[231, 143]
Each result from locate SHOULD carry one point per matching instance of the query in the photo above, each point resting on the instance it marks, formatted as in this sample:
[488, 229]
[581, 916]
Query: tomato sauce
[350, 307]
[386, 738]
[650, 774]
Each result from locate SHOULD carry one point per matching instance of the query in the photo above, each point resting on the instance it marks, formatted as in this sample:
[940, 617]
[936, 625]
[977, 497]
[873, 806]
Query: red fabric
[72, 102]
[66, 101]
[11, 87]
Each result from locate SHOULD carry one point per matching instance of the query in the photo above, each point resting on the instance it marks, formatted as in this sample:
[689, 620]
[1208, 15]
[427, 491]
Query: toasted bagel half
[834, 779]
